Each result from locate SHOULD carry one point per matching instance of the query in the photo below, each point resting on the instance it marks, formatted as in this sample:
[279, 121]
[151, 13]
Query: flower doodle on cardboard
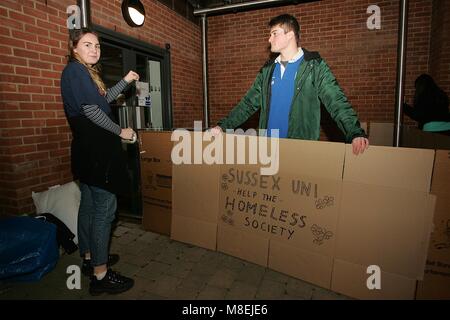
[327, 201]
[320, 234]
[224, 184]
[228, 218]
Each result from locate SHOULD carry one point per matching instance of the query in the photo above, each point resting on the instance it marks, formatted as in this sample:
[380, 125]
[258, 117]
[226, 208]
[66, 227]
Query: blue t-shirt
[282, 92]
[78, 89]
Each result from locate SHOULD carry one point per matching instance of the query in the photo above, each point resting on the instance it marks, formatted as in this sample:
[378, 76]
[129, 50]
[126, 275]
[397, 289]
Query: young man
[288, 92]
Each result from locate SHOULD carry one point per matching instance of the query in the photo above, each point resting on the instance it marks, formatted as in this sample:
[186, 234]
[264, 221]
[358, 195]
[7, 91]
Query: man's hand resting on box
[360, 144]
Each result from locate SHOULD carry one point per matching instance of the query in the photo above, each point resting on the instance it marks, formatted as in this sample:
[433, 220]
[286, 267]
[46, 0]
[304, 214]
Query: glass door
[150, 113]
[143, 105]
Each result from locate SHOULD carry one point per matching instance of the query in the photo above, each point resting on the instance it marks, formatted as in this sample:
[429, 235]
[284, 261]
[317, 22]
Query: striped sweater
[98, 116]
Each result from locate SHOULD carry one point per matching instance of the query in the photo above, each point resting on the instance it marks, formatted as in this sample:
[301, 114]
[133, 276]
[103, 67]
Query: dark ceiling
[206, 4]
[197, 4]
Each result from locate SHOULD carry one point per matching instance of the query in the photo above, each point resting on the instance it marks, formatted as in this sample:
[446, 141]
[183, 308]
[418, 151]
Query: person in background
[430, 107]
[97, 157]
[289, 90]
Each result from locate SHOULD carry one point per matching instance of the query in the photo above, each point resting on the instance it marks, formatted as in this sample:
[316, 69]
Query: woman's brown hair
[74, 37]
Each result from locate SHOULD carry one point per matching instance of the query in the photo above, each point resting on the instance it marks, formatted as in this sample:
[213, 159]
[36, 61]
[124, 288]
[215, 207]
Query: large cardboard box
[436, 282]
[156, 180]
[324, 217]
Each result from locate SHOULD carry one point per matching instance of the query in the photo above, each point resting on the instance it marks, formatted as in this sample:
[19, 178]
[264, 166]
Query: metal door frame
[129, 44]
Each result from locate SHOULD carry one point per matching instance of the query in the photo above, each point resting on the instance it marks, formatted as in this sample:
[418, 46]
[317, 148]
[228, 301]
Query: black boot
[112, 283]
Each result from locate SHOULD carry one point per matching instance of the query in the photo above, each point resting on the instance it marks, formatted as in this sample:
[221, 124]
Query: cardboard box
[156, 180]
[325, 214]
[381, 134]
[436, 283]
[156, 218]
[413, 137]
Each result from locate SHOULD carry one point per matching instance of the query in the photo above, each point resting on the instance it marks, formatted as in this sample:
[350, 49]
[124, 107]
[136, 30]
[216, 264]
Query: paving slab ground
[166, 269]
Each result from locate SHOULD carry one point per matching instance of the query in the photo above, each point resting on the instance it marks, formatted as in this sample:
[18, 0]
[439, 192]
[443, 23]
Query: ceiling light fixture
[133, 12]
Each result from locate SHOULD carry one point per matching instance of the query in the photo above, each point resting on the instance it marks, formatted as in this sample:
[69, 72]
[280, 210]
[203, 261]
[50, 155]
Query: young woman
[97, 157]
[431, 106]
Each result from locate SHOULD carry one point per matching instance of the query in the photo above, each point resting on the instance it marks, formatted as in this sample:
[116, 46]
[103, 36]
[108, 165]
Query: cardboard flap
[313, 158]
[351, 279]
[303, 264]
[385, 227]
[249, 247]
[441, 173]
[390, 167]
[426, 239]
[436, 282]
[191, 184]
[200, 233]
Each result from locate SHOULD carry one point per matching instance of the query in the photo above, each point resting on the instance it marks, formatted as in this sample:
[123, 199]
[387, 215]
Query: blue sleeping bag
[28, 248]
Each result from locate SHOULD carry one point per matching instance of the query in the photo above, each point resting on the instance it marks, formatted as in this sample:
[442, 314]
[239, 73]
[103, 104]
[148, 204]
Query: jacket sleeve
[248, 105]
[336, 103]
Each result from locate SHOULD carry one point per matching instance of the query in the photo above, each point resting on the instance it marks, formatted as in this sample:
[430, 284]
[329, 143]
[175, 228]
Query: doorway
[143, 105]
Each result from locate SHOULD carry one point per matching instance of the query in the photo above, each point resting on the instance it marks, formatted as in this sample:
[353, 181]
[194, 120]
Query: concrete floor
[166, 269]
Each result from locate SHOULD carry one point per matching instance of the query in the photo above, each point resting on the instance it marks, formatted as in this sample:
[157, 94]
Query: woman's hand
[131, 76]
[127, 134]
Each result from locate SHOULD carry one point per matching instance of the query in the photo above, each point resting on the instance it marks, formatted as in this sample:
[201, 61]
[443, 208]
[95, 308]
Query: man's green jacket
[314, 83]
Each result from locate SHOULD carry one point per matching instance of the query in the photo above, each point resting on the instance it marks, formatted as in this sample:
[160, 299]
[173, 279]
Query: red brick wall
[418, 46]
[440, 44]
[363, 61]
[35, 137]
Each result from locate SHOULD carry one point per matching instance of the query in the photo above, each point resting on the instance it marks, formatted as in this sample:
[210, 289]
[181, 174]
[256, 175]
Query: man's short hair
[288, 23]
